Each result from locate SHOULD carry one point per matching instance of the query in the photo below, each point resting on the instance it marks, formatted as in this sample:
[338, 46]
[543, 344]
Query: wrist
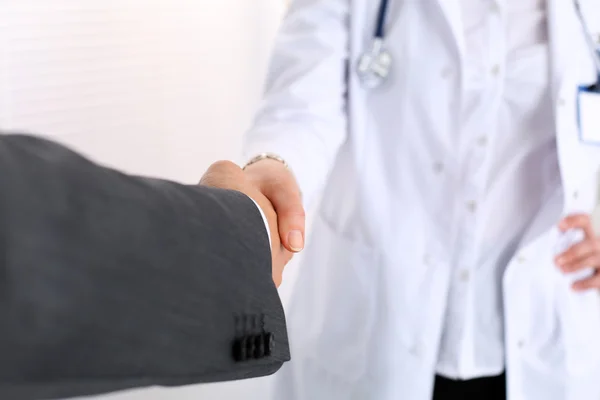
[266, 166]
[269, 172]
[265, 157]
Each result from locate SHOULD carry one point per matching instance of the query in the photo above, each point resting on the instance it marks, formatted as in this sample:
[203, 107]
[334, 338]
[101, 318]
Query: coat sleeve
[302, 116]
[110, 281]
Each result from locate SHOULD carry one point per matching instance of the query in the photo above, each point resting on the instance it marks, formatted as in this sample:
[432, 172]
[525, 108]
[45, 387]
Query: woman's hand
[227, 175]
[583, 255]
[277, 183]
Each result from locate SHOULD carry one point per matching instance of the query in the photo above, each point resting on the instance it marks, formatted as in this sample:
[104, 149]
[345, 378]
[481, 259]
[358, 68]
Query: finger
[223, 174]
[592, 282]
[592, 260]
[287, 202]
[277, 278]
[578, 221]
[280, 260]
[287, 256]
[576, 253]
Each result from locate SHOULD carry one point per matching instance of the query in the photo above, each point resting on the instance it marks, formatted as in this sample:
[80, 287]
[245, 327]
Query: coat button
[259, 347]
[427, 260]
[446, 72]
[415, 350]
[495, 71]
[269, 341]
[472, 206]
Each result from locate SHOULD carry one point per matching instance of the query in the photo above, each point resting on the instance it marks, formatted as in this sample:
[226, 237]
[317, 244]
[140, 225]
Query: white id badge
[589, 115]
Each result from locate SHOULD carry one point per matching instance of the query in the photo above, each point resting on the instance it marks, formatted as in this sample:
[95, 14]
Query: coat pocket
[580, 320]
[334, 305]
[542, 341]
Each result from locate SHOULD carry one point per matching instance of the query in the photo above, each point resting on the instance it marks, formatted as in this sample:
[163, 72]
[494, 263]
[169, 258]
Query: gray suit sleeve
[110, 281]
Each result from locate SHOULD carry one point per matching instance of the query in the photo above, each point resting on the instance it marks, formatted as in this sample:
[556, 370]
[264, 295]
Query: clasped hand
[583, 255]
[273, 187]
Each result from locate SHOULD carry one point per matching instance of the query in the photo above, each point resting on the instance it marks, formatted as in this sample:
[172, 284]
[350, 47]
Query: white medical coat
[366, 317]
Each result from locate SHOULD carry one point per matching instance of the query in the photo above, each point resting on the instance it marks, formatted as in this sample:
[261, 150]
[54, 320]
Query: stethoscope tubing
[382, 13]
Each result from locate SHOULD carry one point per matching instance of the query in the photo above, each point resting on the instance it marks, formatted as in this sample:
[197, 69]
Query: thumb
[287, 202]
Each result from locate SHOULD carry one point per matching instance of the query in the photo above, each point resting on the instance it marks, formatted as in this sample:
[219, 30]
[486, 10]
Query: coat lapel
[452, 14]
[570, 66]
[562, 22]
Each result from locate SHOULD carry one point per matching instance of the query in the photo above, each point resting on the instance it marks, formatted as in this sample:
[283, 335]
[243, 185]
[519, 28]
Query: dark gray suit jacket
[110, 281]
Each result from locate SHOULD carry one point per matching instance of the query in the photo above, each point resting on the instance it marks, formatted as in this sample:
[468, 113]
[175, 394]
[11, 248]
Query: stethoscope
[374, 65]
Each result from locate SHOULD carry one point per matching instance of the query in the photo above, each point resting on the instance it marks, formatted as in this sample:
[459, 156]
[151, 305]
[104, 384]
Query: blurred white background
[156, 87]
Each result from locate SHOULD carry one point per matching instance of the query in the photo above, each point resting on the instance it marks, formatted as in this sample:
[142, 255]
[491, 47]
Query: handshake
[135, 273]
[273, 187]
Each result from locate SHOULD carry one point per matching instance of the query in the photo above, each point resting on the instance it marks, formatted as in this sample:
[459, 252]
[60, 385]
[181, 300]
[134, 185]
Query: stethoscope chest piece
[375, 65]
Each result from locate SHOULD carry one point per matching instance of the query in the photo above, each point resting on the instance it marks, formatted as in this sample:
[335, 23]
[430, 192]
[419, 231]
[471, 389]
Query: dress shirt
[509, 162]
[264, 219]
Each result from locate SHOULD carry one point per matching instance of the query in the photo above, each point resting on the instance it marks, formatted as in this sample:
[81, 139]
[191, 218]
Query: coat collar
[562, 27]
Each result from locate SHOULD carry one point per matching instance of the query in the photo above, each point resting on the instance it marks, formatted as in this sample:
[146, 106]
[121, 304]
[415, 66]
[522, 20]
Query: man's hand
[583, 255]
[277, 184]
[227, 175]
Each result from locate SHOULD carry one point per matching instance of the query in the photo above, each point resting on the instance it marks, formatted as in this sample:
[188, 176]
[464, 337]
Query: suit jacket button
[259, 347]
[239, 350]
[269, 341]
[250, 346]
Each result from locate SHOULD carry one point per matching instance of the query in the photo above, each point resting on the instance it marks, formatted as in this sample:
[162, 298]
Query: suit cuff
[262, 214]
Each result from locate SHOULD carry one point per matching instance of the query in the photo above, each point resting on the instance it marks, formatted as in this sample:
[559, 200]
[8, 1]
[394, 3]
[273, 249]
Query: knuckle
[279, 185]
[577, 220]
[223, 166]
[296, 212]
[208, 178]
[283, 184]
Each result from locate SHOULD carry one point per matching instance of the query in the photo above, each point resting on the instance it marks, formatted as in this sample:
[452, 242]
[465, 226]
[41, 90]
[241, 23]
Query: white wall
[159, 87]
[153, 86]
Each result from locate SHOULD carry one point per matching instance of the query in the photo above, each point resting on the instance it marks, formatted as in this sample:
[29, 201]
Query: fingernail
[295, 240]
[560, 261]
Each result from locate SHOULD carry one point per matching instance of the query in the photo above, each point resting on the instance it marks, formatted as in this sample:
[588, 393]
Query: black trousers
[488, 388]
